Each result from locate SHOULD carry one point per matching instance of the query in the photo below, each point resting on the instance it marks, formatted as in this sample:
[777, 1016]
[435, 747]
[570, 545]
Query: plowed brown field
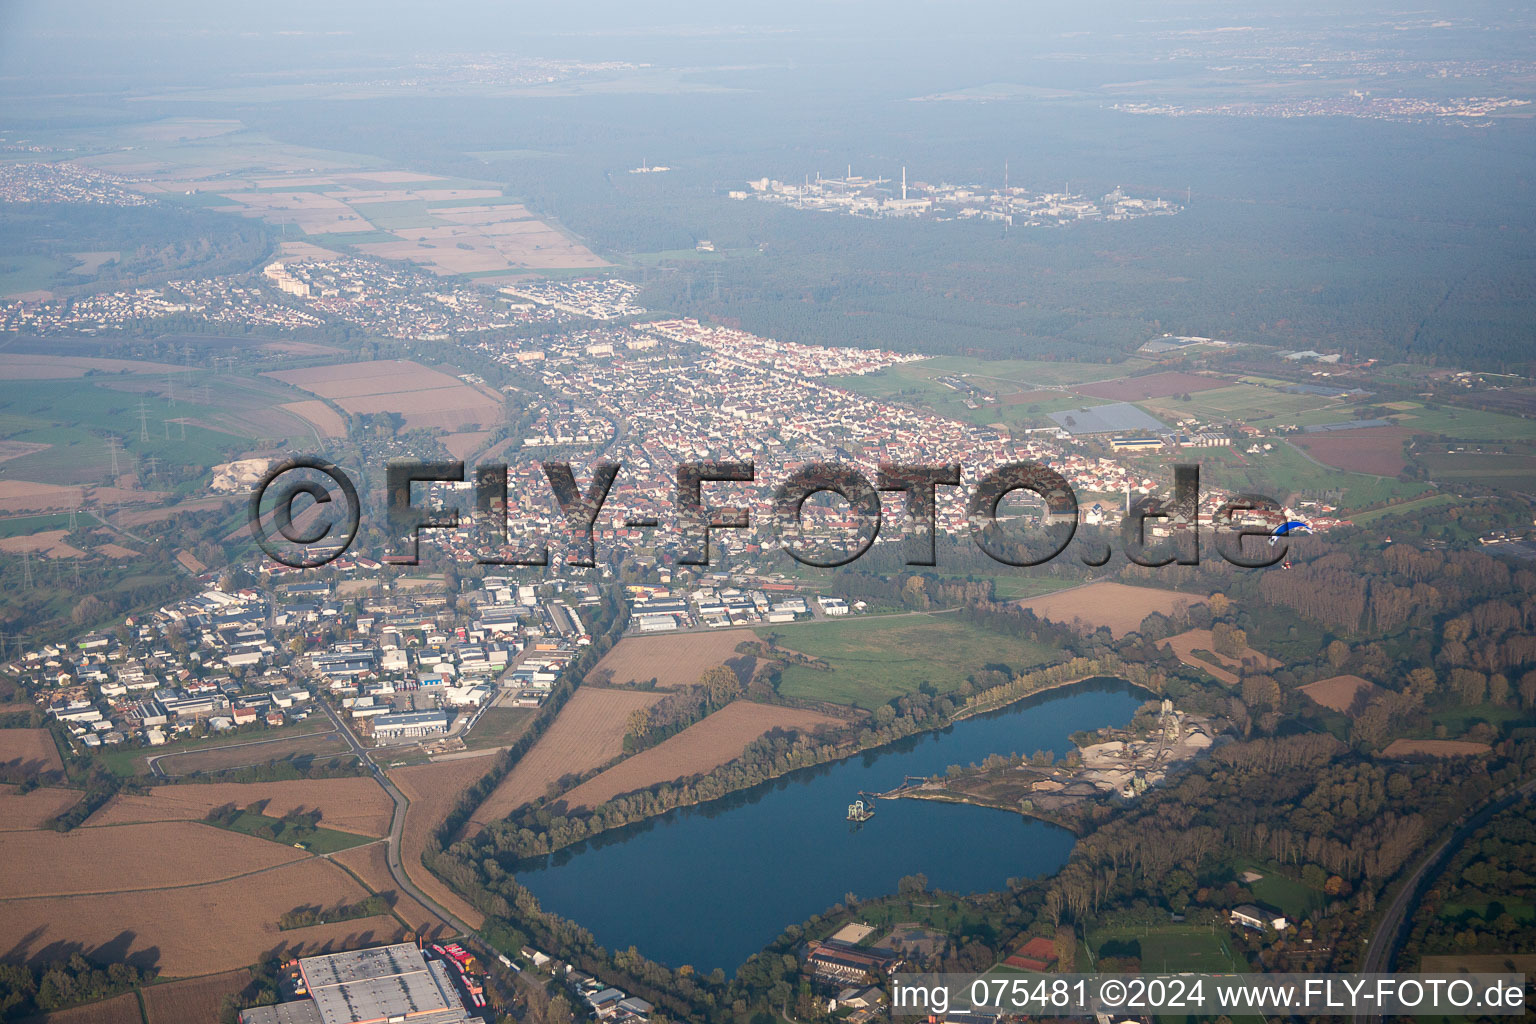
[370, 863]
[1338, 692]
[190, 931]
[123, 1009]
[433, 790]
[1116, 605]
[29, 749]
[676, 660]
[351, 805]
[193, 1001]
[701, 747]
[127, 857]
[588, 732]
[23, 811]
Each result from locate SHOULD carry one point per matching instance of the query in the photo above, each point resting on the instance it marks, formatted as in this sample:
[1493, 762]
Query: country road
[1391, 930]
[396, 827]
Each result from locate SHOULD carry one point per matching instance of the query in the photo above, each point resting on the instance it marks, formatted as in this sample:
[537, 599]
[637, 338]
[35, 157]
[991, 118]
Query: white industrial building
[410, 724]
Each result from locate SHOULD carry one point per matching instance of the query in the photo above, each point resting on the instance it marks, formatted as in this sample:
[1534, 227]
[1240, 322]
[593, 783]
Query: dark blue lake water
[713, 884]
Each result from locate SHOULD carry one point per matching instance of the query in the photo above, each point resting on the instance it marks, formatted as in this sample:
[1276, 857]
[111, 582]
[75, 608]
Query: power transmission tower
[112, 447]
[714, 277]
[143, 422]
[26, 569]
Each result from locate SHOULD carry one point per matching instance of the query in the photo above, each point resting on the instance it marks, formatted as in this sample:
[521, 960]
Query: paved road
[396, 828]
[154, 762]
[1392, 929]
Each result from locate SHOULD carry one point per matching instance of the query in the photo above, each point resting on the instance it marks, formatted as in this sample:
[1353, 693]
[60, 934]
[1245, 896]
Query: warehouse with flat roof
[412, 723]
[370, 986]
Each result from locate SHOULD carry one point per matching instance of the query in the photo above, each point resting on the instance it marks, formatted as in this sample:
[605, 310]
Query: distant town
[1010, 205]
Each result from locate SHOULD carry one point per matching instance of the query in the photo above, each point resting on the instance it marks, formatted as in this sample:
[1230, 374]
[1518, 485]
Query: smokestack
[903, 183]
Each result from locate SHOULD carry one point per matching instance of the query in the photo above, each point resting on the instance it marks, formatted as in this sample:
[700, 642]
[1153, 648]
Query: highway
[1392, 928]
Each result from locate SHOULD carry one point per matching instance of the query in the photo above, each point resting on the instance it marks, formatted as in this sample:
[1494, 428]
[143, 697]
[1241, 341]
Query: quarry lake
[713, 884]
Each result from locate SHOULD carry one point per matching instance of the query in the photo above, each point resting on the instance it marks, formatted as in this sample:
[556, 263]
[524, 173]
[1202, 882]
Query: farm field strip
[588, 732]
[433, 790]
[241, 755]
[130, 858]
[192, 999]
[1227, 668]
[370, 864]
[24, 812]
[153, 925]
[1116, 605]
[348, 804]
[875, 658]
[33, 748]
[702, 747]
[673, 660]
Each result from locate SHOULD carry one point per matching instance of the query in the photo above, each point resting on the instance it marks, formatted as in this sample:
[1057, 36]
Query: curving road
[1392, 929]
[396, 827]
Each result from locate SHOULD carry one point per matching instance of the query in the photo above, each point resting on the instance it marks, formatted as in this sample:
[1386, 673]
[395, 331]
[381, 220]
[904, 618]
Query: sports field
[876, 658]
[1167, 947]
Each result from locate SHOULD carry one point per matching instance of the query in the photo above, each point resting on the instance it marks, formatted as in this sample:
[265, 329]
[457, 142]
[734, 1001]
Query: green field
[23, 272]
[75, 416]
[315, 840]
[916, 383]
[22, 526]
[1467, 424]
[1457, 720]
[1418, 504]
[498, 727]
[408, 213]
[1285, 470]
[1292, 898]
[1247, 402]
[1170, 947]
[876, 658]
[130, 760]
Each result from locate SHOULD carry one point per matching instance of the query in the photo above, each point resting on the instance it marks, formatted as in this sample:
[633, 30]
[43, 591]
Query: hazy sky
[159, 38]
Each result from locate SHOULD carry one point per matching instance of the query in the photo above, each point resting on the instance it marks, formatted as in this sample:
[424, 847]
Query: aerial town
[1009, 205]
[475, 549]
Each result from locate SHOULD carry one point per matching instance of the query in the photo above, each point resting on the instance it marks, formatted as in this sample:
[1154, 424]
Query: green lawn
[1170, 947]
[315, 840]
[876, 658]
[498, 727]
[1292, 898]
[130, 760]
[1021, 584]
[1416, 505]
[21, 526]
[1458, 720]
